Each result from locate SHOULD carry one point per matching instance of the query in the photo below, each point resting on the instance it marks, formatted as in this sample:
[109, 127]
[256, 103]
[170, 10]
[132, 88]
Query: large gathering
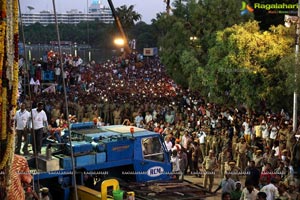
[252, 151]
[168, 99]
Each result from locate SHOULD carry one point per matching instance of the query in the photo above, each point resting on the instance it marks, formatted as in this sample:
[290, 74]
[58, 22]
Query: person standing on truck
[22, 118]
[209, 165]
[40, 123]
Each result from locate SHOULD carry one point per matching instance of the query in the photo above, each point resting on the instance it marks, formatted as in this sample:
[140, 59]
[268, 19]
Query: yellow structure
[90, 194]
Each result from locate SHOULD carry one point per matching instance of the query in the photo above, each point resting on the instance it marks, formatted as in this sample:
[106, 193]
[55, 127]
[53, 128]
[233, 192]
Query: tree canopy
[244, 65]
[188, 34]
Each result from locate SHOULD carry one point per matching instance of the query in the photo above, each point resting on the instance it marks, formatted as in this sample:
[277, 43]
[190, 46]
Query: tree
[199, 20]
[127, 16]
[243, 65]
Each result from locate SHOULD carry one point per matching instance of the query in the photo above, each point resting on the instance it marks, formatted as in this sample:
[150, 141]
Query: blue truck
[135, 157]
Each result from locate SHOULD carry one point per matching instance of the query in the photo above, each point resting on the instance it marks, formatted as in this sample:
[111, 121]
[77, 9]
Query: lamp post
[29, 51]
[75, 49]
[288, 20]
[120, 42]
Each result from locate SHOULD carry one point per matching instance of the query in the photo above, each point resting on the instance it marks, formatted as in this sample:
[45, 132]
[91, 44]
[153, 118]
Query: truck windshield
[152, 149]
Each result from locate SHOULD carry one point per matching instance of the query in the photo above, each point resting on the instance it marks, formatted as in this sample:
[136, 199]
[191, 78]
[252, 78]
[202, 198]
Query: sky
[147, 8]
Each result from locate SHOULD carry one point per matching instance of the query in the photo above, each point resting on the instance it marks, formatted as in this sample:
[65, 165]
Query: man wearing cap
[209, 165]
[39, 123]
[234, 170]
[241, 149]
[258, 159]
[224, 158]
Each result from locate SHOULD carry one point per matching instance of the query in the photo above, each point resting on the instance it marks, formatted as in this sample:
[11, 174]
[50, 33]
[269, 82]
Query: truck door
[153, 162]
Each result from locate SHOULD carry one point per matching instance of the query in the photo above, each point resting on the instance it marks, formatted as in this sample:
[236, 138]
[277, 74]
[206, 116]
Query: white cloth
[265, 131]
[184, 141]
[176, 164]
[169, 145]
[246, 195]
[202, 137]
[21, 118]
[247, 129]
[271, 191]
[39, 119]
[137, 120]
[148, 118]
[57, 71]
[274, 132]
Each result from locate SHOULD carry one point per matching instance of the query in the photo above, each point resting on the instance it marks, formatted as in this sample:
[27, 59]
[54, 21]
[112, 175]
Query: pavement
[199, 181]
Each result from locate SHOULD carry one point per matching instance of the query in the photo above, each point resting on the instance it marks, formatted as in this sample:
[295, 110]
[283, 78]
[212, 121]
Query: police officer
[209, 166]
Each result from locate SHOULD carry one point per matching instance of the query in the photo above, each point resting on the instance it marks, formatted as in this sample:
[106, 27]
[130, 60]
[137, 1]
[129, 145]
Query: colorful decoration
[9, 13]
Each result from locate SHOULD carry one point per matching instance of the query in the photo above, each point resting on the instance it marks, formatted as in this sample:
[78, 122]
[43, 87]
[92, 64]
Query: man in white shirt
[21, 119]
[202, 137]
[274, 130]
[148, 117]
[271, 190]
[249, 192]
[138, 119]
[168, 143]
[39, 122]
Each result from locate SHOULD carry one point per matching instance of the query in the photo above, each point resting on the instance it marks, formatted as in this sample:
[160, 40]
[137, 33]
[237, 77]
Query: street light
[75, 49]
[29, 51]
[120, 42]
[288, 20]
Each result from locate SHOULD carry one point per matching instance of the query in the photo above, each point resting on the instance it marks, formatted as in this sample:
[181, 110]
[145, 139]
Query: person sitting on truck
[54, 130]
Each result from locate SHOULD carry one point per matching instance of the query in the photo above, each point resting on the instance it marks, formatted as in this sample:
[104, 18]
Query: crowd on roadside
[205, 138]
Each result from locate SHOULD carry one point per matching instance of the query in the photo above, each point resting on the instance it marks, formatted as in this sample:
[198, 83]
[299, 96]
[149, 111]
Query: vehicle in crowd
[109, 160]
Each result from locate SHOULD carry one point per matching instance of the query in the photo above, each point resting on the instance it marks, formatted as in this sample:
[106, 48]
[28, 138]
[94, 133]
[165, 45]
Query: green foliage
[200, 20]
[243, 64]
[127, 16]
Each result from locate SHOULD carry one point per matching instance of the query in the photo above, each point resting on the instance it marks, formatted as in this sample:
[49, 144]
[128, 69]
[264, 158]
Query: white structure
[96, 11]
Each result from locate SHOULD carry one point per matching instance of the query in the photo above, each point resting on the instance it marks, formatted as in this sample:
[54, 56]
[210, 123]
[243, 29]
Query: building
[96, 11]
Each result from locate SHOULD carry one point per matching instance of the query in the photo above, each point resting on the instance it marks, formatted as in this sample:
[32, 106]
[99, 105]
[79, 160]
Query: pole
[120, 27]
[295, 104]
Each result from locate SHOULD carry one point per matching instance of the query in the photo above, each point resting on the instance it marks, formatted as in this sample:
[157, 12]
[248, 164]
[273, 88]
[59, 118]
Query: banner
[150, 51]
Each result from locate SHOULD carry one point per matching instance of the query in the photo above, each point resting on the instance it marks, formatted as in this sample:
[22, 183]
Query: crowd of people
[205, 139]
